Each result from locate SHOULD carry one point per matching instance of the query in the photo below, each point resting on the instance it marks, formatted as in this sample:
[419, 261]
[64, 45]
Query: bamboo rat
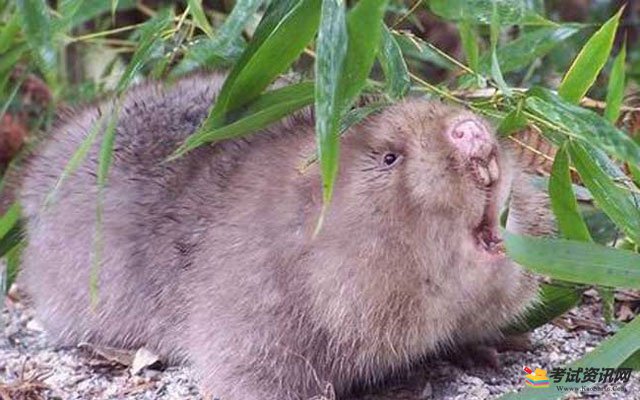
[211, 259]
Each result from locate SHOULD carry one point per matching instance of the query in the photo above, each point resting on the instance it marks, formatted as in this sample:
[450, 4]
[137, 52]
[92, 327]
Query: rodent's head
[423, 159]
[410, 249]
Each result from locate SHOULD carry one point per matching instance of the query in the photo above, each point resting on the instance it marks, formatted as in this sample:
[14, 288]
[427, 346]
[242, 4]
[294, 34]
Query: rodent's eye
[390, 159]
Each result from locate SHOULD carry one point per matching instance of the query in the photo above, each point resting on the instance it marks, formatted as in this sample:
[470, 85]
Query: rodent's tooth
[494, 170]
[484, 175]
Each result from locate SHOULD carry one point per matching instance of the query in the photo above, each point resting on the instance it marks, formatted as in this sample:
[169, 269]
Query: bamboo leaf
[197, 12]
[573, 261]
[287, 27]
[8, 33]
[40, 36]
[577, 122]
[12, 256]
[10, 58]
[585, 68]
[77, 158]
[90, 9]
[633, 362]
[150, 35]
[226, 46]
[393, 65]
[496, 73]
[9, 220]
[114, 8]
[468, 35]
[341, 76]
[528, 47]
[67, 10]
[106, 149]
[635, 174]
[364, 30]
[611, 198]
[332, 48]
[615, 90]
[266, 109]
[611, 353]
[512, 122]
[351, 118]
[414, 47]
[563, 200]
[481, 11]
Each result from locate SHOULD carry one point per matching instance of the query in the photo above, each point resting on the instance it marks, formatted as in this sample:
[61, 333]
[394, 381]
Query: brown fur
[211, 258]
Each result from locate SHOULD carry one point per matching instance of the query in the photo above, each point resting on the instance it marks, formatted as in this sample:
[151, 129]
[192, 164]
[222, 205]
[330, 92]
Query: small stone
[34, 325]
[144, 358]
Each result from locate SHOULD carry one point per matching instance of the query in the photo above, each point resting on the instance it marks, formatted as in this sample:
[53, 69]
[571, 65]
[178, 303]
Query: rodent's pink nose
[476, 149]
[469, 136]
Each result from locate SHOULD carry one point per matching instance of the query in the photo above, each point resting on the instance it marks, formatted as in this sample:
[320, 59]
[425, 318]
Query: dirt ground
[31, 369]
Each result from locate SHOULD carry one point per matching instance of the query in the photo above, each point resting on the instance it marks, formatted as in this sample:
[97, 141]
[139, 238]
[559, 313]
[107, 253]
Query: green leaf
[528, 47]
[104, 162]
[468, 35]
[114, 8]
[286, 28]
[414, 47]
[9, 220]
[10, 239]
[635, 174]
[12, 256]
[210, 54]
[266, 109]
[10, 58]
[615, 90]
[610, 197]
[611, 353]
[90, 9]
[613, 170]
[585, 68]
[67, 10]
[364, 29]
[77, 158]
[555, 300]
[8, 33]
[226, 46]
[150, 35]
[577, 122]
[393, 65]
[40, 36]
[351, 118]
[633, 361]
[563, 200]
[12, 95]
[340, 76]
[480, 11]
[496, 73]
[106, 149]
[200, 18]
[513, 122]
[573, 261]
[332, 48]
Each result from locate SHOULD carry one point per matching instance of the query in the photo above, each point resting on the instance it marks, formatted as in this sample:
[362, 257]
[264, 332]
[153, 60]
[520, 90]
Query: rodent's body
[211, 258]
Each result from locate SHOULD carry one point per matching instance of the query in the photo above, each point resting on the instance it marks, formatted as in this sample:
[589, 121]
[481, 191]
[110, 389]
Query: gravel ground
[31, 369]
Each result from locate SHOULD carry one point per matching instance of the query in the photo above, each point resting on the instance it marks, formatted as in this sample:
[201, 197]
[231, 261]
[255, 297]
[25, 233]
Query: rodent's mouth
[485, 234]
[487, 238]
